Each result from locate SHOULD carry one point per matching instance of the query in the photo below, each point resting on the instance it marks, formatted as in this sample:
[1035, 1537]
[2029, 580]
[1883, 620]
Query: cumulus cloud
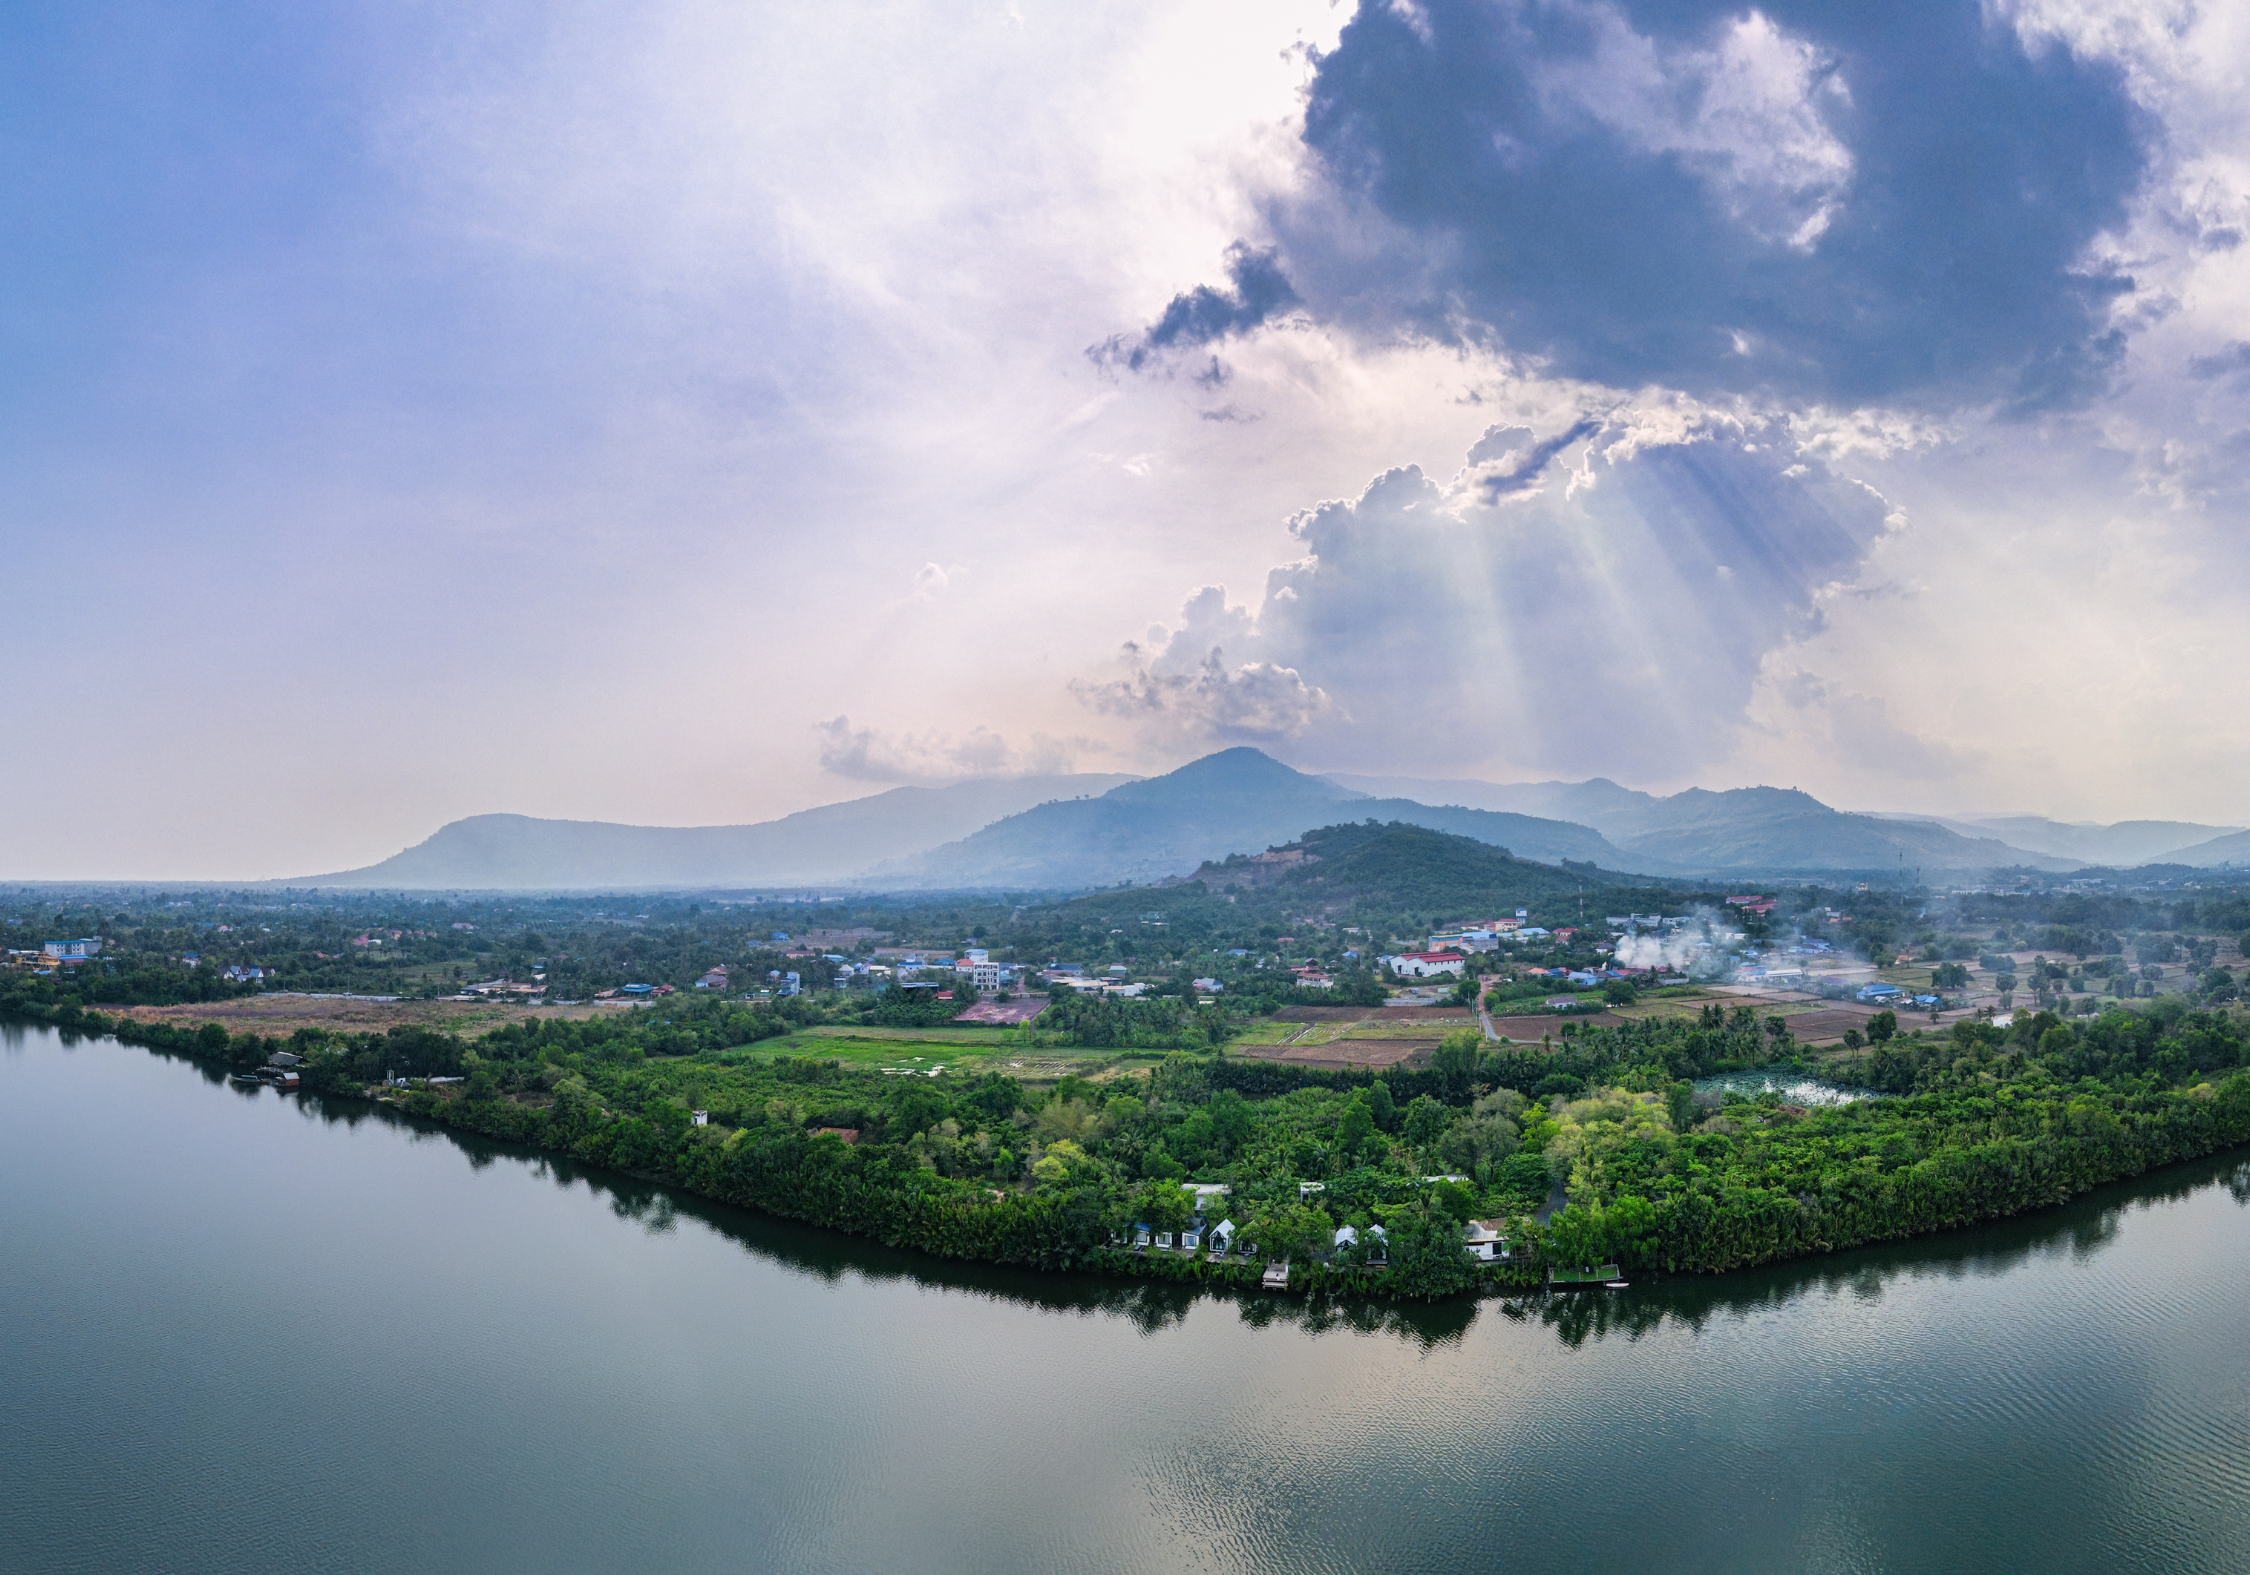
[1180, 690]
[1821, 201]
[1619, 624]
[867, 754]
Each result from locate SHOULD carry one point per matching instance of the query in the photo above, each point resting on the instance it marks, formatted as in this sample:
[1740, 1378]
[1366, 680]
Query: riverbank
[985, 1169]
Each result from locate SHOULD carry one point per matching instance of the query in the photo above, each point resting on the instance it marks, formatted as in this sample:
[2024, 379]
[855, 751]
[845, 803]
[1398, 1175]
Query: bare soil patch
[1829, 1024]
[1345, 1052]
[283, 1015]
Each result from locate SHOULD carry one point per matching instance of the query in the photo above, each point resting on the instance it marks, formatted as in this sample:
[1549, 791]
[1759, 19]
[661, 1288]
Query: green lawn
[919, 1049]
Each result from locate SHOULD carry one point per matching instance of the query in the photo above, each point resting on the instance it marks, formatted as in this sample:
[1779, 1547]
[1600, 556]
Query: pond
[241, 1331]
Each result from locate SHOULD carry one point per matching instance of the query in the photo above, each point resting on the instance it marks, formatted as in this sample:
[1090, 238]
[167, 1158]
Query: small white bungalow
[1222, 1238]
[1484, 1241]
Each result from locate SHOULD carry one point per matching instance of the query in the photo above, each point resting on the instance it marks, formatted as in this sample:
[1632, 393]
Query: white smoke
[1696, 948]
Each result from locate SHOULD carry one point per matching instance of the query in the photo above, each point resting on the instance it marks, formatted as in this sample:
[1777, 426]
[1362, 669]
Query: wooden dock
[1277, 1275]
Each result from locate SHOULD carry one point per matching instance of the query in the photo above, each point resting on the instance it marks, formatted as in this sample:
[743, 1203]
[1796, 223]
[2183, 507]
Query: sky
[686, 412]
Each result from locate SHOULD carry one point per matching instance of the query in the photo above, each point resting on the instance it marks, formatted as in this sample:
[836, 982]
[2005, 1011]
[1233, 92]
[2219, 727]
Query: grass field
[963, 1050]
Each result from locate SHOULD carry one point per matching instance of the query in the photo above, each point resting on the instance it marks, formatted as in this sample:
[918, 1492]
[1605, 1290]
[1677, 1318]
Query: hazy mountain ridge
[1745, 830]
[1077, 832]
[2234, 848]
[2125, 844]
[833, 842]
[1236, 801]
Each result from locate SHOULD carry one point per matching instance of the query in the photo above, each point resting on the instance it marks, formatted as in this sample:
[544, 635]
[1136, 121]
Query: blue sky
[690, 412]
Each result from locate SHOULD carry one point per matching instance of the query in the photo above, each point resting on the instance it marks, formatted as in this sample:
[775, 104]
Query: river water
[241, 1332]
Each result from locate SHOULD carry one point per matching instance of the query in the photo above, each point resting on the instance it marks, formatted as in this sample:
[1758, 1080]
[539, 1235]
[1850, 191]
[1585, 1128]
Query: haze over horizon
[693, 415]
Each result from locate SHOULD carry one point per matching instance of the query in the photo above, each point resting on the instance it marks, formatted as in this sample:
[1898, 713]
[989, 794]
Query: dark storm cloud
[1258, 290]
[1821, 199]
[1520, 469]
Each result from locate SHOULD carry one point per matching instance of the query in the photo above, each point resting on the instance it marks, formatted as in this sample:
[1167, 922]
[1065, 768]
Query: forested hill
[1386, 867]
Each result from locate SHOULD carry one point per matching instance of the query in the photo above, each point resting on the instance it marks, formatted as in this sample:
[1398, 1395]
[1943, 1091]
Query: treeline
[1970, 1126]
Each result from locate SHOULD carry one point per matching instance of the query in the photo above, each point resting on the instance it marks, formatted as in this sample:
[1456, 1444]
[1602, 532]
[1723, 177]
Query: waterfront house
[1484, 1241]
[1222, 1238]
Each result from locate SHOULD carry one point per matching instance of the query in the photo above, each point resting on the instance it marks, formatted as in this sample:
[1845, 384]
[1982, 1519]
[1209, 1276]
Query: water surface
[240, 1332]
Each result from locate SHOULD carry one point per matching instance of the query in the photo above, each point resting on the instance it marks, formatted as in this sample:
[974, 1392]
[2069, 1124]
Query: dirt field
[282, 1015]
[1344, 1052]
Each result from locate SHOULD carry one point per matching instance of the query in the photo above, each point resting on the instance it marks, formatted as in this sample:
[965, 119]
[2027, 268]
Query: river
[241, 1331]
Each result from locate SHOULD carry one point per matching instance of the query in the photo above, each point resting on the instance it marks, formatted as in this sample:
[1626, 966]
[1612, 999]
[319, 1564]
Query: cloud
[933, 580]
[1815, 200]
[1856, 730]
[866, 754]
[1257, 291]
[2226, 361]
[1619, 625]
[1211, 703]
[1515, 470]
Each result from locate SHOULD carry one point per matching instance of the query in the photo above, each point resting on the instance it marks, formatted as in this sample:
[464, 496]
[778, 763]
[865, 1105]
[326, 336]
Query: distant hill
[1598, 802]
[1765, 828]
[2233, 848]
[1739, 831]
[2121, 846]
[1236, 801]
[830, 844]
[1395, 866]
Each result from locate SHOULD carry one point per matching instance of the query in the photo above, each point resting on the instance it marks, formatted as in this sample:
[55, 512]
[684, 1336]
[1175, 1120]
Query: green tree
[1455, 1060]
[1381, 1106]
[1882, 1026]
[1355, 1133]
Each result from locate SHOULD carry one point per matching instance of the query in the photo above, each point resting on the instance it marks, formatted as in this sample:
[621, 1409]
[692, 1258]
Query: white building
[1424, 965]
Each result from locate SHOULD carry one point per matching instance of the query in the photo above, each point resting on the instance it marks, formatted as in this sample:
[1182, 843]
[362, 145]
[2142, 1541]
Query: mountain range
[2125, 845]
[1746, 831]
[508, 852]
[1078, 832]
[1236, 801]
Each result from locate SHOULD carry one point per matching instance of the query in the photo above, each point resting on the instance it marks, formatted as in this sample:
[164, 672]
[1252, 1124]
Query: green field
[966, 1050]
